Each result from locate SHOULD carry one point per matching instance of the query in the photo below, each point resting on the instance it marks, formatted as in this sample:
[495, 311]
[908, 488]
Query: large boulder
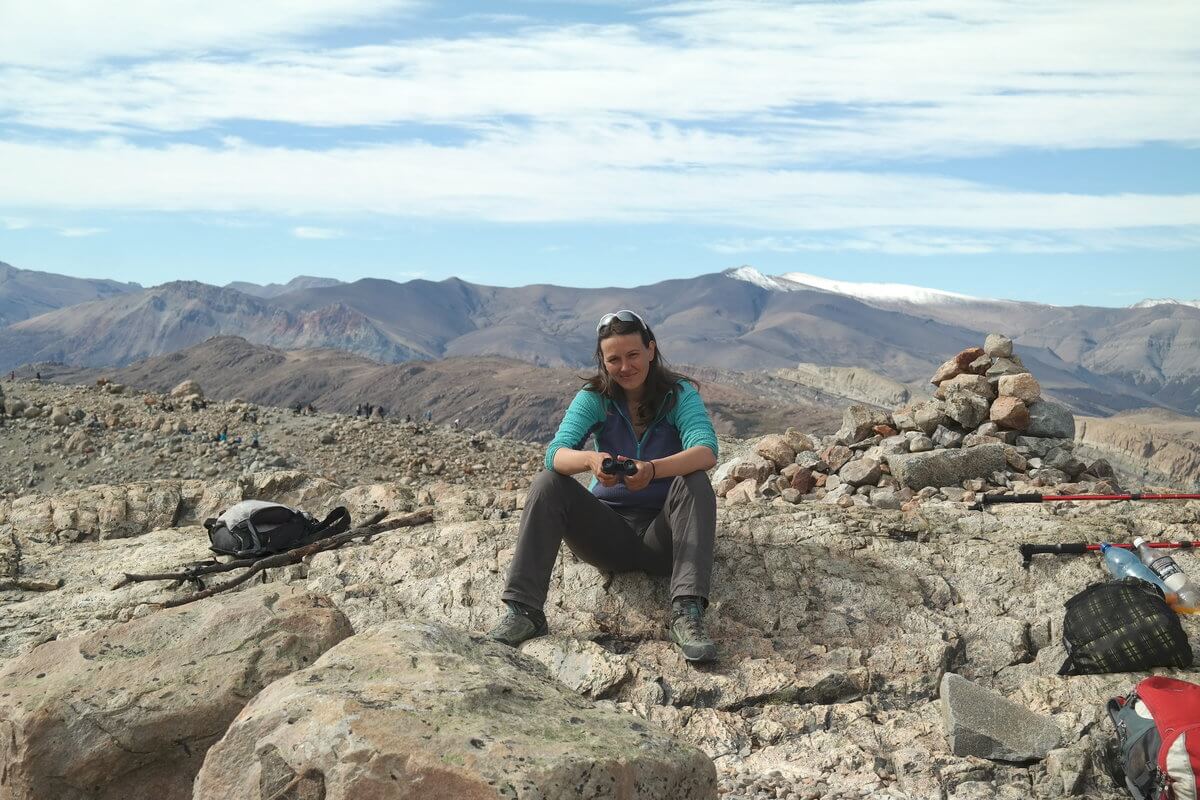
[408, 709]
[128, 712]
[1050, 420]
[188, 388]
[946, 467]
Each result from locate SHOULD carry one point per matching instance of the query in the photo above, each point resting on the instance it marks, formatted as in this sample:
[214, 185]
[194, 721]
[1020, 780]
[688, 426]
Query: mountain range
[1098, 360]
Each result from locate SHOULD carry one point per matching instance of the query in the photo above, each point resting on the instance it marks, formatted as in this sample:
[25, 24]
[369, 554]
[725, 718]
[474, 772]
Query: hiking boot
[520, 623]
[687, 630]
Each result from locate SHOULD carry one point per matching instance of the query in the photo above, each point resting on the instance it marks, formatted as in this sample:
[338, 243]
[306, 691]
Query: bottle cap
[1104, 547]
[1138, 542]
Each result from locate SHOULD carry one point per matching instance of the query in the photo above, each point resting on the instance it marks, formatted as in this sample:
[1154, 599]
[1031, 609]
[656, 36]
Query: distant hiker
[428, 415]
[12, 376]
[296, 408]
[380, 411]
[661, 519]
[311, 409]
[254, 441]
[39, 375]
[358, 410]
[407, 418]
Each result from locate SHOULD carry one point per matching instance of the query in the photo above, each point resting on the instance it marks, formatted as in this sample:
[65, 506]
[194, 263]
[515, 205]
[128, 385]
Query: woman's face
[627, 360]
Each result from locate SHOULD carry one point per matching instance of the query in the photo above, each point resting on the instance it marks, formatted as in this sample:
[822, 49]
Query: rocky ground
[839, 613]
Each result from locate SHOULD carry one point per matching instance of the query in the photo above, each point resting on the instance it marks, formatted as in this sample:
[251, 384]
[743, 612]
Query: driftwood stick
[284, 559]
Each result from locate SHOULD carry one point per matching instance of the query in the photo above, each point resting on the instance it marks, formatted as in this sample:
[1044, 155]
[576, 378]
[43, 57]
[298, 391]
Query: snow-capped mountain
[869, 292]
[1166, 301]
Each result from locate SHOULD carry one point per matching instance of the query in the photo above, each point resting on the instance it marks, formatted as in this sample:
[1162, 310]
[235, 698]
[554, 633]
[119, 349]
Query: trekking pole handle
[991, 499]
[1028, 551]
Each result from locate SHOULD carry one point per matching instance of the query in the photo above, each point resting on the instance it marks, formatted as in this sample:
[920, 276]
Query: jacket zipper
[645, 433]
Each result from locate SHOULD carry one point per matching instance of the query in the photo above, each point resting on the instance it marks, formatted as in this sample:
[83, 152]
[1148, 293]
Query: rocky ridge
[829, 681]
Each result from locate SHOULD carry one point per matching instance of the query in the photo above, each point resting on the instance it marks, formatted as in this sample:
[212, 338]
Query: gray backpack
[254, 528]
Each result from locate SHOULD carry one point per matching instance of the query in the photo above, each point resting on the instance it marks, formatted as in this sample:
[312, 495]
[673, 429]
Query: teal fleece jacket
[685, 425]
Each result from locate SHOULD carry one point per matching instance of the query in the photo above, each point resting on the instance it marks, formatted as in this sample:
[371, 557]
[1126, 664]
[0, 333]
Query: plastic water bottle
[1124, 564]
[1171, 574]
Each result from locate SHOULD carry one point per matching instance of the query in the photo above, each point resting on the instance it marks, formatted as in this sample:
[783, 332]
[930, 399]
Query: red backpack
[1157, 752]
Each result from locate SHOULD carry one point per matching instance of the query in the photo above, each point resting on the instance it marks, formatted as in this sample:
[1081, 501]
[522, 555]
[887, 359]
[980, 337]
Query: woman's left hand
[641, 479]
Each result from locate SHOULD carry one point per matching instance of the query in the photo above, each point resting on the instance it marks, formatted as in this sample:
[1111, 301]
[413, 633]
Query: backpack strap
[335, 522]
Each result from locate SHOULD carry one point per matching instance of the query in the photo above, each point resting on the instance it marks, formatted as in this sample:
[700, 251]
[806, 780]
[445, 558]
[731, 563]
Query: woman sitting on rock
[660, 519]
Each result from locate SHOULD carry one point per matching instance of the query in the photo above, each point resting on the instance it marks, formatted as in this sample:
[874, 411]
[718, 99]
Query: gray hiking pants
[676, 541]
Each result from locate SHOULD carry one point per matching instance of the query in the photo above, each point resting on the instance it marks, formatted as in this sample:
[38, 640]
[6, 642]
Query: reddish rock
[884, 430]
[803, 481]
[956, 365]
[1011, 413]
[836, 456]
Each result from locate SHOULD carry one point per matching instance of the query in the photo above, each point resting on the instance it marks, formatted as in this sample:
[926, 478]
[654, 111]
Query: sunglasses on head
[625, 315]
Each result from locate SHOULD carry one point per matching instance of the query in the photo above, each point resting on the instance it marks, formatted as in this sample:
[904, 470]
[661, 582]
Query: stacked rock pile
[987, 429]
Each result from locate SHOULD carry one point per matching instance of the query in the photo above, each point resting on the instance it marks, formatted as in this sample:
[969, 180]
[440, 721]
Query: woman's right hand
[594, 461]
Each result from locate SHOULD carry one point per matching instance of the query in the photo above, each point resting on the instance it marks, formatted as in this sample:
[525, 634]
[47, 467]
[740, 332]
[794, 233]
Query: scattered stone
[1050, 420]
[858, 422]
[928, 415]
[775, 449]
[956, 365]
[861, 471]
[1010, 412]
[920, 444]
[975, 384]
[945, 437]
[981, 723]
[998, 346]
[966, 408]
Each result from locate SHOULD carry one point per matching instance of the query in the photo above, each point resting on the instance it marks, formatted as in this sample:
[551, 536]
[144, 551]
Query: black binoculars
[610, 466]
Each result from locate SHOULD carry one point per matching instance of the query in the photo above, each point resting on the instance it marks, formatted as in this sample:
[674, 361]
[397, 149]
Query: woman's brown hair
[661, 381]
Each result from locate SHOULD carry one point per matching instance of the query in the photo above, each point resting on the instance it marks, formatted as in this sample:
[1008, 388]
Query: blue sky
[1042, 150]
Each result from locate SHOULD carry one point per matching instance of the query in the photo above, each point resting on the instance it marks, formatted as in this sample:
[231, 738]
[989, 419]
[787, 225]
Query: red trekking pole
[995, 499]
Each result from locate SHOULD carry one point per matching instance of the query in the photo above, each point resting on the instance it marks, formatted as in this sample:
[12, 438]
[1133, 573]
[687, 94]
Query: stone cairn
[987, 429]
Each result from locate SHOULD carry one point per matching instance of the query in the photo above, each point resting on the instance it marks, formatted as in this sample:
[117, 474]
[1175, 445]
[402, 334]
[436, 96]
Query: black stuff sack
[1122, 626]
[255, 528]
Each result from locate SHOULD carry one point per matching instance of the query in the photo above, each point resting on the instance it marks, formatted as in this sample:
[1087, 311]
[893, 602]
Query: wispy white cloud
[803, 83]
[305, 232]
[539, 181]
[15, 223]
[769, 115]
[75, 233]
[926, 242]
[65, 33]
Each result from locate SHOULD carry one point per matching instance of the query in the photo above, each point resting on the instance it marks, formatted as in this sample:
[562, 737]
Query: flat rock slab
[407, 709]
[128, 712]
[946, 467]
[982, 723]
